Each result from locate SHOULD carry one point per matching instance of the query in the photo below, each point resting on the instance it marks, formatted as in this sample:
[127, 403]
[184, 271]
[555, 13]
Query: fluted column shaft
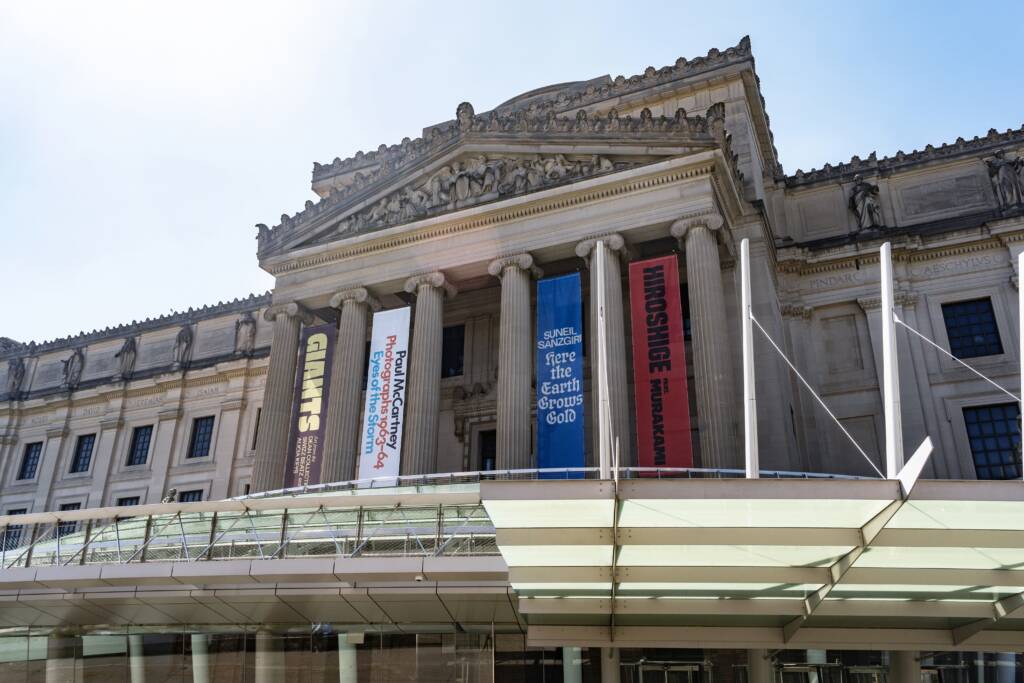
[423, 405]
[712, 370]
[272, 440]
[515, 367]
[341, 436]
[618, 381]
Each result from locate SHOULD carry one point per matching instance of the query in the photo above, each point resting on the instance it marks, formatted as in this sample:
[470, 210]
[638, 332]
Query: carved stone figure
[464, 116]
[183, 347]
[1006, 179]
[126, 357]
[245, 334]
[15, 376]
[73, 369]
[170, 496]
[864, 204]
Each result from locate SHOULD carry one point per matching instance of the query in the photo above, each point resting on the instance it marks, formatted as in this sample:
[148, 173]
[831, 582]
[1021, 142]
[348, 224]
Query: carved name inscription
[962, 265]
[833, 281]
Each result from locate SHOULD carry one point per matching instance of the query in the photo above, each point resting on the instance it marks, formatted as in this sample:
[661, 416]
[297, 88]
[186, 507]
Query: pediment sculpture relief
[474, 181]
[1007, 177]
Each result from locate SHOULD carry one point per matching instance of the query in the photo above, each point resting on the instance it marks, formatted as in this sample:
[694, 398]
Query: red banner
[659, 364]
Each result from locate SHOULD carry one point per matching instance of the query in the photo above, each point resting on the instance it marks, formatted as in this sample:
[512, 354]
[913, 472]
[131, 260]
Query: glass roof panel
[729, 555]
[749, 513]
[942, 558]
[557, 555]
[959, 514]
[537, 514]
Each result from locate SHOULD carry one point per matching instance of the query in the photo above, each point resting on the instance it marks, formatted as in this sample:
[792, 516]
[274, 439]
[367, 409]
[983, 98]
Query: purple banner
[309, 409]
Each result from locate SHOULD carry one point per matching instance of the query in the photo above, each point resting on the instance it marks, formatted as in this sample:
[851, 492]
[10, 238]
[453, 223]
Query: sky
[140, 142]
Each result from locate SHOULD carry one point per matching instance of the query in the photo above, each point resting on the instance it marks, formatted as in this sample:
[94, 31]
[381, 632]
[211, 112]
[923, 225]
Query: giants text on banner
[380, 444]
[309, 412]
[560, 374]
[659, 364]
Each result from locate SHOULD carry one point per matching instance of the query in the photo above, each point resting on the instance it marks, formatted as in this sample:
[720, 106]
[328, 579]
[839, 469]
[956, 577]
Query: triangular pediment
[479, 160]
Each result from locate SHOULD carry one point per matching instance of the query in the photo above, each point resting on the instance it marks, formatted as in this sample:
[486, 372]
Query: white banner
[381, 440]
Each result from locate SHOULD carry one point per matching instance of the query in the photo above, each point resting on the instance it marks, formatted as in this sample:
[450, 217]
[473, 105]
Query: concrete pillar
[610, 669]
[1006, 667]
[713, 372]
[423, 398]
[136, 658]
[572, 665]
[515, 362]
[759, 667]
[905, 667]
[269, 660]
[341, 438]
[200, 658]
[61, 647]
[618, 379]
[816, 657]
[272, 440]
[348, 665]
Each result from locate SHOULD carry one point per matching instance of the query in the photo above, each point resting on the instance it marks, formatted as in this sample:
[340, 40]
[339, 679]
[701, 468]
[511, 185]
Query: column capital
[613, 241]
[435, 279]
[710, 220]
[522, 261]
[359, 295]
[292, 310]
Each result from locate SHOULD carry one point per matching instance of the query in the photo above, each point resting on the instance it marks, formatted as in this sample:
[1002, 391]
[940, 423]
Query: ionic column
[716, 407]
[341, 438]
[618, 389]
[515, 367]
[423, 402]
[272, 440]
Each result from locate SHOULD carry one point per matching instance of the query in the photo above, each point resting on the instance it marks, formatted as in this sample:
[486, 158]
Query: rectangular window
[684, 295]
[83, 453]
[195, 496]
[994, 435]
[30, 460]
[65, 528]
[971, 327]
[13, 532]
[127, 501]
[138, 452]
[202, 433]
[488, 447]
[256, 427]
[453, 348]
[366, 365]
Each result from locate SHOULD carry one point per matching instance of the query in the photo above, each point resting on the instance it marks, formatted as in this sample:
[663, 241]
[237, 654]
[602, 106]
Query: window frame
[934, 301]
[38, 455]
[210, 438]
[201, 491]
[462, 359]
[1015, 450]
[5, 545]
[75, 454]
[964, 300]
[128, 464]
[118, 499]
[65, 528]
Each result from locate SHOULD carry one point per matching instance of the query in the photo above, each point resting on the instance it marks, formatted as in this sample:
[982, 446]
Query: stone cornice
[872, 165]
[522, 207]
[251, 302]
[565, 100]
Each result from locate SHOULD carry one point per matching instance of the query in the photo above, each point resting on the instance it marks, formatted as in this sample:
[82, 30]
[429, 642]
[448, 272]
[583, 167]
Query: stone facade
[459, 221]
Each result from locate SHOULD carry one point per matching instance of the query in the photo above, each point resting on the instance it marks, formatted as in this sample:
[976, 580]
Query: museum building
[489, 423]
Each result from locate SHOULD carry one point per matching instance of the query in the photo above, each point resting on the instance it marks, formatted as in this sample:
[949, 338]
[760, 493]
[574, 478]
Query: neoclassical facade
[460, 222]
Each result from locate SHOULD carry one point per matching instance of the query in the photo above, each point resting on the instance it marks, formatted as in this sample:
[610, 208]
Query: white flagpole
[890, 372]
[1020, 340]
[751, 458]
[604, 435]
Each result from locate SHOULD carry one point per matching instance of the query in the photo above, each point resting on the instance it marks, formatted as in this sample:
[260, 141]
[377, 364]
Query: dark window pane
[127, 501]
[256, 429]
[995, 457]
[12, 534]
[83, 453]
[202, 433]
[65, 528]
[488, 450]
[30, 460]
[139, 450]
[453, 346]
[190, 496]
[971, 327]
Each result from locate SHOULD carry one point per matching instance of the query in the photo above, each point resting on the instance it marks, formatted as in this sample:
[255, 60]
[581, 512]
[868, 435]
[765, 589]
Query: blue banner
[560, 375]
